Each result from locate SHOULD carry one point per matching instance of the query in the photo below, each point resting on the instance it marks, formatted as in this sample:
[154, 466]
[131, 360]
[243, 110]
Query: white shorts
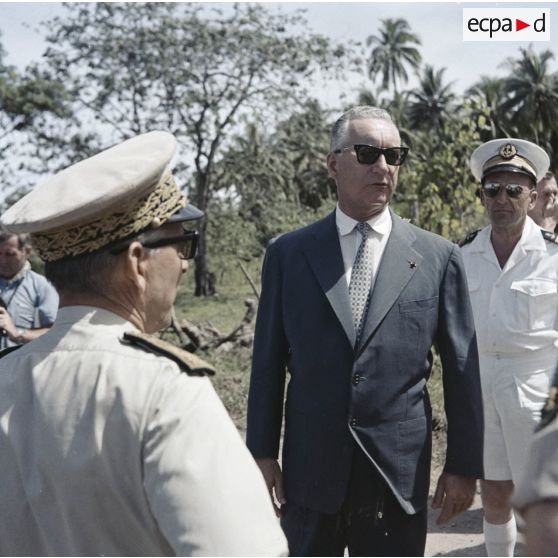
[514, 392]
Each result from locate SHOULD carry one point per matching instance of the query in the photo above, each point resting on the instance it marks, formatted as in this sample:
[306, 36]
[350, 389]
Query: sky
[439, 26]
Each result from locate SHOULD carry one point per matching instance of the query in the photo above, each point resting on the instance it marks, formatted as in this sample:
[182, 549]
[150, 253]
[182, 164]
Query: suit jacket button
[354, 422]
[356, 379]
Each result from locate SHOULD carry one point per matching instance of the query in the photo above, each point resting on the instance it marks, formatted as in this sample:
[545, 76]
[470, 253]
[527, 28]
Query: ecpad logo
[506, 24]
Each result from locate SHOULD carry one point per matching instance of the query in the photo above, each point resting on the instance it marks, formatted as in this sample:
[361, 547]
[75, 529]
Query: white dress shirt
[350, 239]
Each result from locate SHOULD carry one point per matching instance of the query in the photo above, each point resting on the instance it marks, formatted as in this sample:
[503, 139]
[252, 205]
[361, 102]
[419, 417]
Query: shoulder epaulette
[549, 236]
[192, 364]
[9, 350]
[548, 413]
[469, 238]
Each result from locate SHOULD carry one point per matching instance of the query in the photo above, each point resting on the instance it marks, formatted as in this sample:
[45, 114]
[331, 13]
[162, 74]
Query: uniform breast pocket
[537, 301]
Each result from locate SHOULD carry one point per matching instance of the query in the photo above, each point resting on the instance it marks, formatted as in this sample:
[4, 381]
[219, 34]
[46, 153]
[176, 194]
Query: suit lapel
[399, 263]
[324, 256]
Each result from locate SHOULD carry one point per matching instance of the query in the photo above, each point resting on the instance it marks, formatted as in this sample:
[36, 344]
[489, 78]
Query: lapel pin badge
[412, 264]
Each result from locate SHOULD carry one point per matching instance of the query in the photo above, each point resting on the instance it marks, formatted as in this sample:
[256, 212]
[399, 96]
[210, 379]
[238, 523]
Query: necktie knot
[364, 229]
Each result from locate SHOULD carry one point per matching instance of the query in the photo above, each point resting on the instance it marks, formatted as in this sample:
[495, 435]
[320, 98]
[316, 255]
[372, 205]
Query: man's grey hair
[548, 176]
[88, 273]
[341, 126]
[22, 239]
[91, 273]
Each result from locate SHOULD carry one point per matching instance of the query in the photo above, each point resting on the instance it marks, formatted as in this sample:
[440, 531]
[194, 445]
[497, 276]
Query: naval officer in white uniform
[512, 272]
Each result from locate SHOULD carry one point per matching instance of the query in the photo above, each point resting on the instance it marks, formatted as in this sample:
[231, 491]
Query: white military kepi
[511, 155]
[113, 195]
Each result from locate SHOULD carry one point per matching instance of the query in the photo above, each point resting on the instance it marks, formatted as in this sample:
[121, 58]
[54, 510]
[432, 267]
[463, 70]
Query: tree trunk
[205, 280]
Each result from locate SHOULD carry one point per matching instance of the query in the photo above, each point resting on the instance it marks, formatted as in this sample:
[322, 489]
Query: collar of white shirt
[531, 238]
[380, 223]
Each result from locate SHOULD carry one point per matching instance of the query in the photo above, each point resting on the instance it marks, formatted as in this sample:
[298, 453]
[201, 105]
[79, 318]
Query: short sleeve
[47, 303]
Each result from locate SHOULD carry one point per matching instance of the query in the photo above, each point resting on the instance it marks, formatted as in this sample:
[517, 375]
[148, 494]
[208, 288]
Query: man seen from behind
[113, 442]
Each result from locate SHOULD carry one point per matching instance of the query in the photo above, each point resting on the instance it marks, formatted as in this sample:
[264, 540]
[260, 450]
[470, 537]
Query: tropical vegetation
[239, 90]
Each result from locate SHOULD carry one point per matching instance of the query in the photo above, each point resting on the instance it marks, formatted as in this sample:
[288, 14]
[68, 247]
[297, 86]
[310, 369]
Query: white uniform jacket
[515, 308]
[106, 449]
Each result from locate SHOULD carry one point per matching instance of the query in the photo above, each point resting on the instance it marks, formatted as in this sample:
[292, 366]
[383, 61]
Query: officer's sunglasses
[186, 244]
[369, 154]
[492, 189]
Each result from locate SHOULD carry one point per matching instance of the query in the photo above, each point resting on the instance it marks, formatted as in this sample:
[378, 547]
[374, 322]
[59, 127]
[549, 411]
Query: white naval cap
[113, 195]
[511, 155]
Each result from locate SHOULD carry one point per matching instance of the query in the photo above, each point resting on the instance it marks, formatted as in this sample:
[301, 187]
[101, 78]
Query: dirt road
[463, 535]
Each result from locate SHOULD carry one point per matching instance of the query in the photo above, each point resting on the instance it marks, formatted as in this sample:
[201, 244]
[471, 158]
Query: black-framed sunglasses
[369, 154]
[186, 244]
[492, 189]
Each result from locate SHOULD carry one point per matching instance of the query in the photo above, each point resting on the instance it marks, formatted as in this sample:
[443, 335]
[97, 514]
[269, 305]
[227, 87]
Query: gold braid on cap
[152, 209]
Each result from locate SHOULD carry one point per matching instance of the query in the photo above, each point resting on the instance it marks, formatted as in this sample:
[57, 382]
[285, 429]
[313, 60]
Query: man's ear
[331, 162]
[135, 265]
[533, 195]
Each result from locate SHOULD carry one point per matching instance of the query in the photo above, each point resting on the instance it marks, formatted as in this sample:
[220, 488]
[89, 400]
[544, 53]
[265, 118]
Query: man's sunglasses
[186, 244]
[369, 154]
[492, 189]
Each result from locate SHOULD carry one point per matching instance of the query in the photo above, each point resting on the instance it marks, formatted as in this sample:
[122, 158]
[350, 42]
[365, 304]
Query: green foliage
[24, 98]
[432, 102]
[485, 98]
[271, 183]
[524, 103]
[437, 190]
[182, 67]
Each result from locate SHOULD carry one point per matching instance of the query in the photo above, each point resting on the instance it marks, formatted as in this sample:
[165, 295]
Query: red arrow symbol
[519, 25]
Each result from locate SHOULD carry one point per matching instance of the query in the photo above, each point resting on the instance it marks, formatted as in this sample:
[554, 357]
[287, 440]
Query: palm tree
[532, 95]
[432, 102]
[486, 98]
[394, 51]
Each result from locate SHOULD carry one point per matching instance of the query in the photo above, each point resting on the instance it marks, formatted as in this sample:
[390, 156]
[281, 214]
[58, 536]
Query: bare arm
[7, 324]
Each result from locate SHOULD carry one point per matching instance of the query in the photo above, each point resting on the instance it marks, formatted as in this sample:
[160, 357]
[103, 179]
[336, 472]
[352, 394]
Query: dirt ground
[463, 535]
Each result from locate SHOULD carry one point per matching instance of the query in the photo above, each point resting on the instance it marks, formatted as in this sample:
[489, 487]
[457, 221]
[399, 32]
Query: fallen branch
[200, 337]
[252, 284]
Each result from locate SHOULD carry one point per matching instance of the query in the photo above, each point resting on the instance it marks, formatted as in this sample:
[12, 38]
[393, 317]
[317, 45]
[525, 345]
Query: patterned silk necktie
[361, 279]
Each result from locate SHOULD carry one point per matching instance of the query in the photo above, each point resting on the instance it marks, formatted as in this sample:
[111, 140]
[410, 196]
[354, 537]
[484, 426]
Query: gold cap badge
[508, 151]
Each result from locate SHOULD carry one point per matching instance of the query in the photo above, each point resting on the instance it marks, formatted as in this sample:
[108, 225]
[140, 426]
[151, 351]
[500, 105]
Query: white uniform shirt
[106, 449]
[350, 239]
[515, 308]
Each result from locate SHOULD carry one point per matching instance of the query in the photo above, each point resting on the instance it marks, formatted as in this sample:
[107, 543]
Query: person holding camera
[28, 302]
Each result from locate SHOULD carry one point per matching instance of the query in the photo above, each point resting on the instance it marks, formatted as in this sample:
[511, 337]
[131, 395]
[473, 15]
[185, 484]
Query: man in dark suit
[352, 305]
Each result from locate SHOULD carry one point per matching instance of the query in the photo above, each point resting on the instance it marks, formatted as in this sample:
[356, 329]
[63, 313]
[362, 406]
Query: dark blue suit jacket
[375, 393]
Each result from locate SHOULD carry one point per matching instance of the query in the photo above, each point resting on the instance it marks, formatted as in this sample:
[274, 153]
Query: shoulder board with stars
[189, 363]
[549, 236]
[548, 413]
[469, 238]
